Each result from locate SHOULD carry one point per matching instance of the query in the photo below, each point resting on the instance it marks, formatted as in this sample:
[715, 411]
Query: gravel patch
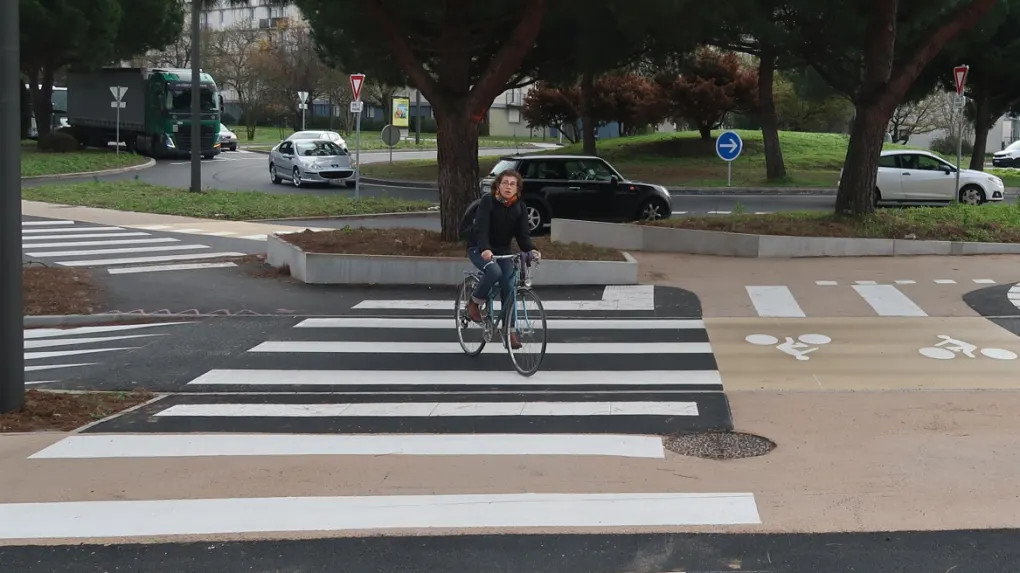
[719, 445]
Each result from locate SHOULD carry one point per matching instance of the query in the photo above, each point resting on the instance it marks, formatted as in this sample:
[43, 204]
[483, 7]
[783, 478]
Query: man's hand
[487, 255]
[536, 255]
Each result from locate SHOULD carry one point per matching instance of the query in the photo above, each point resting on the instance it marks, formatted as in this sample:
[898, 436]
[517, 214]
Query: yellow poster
[401, 111]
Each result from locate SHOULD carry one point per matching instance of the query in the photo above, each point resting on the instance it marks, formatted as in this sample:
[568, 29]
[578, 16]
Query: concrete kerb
[691, 241]
[151, 162]
[429, 213]
[353, 269]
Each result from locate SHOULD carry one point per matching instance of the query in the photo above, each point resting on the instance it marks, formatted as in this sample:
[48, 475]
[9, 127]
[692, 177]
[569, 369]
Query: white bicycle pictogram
[949, 348]
[799, 348]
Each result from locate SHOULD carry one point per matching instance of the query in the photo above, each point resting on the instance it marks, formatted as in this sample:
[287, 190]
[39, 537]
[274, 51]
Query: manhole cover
[719, 445]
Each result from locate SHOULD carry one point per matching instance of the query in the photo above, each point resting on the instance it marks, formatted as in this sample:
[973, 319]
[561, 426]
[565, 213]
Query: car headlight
[995, 180]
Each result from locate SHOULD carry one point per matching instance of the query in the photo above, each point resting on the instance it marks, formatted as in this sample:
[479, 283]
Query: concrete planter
[663, 239]
[328, 268]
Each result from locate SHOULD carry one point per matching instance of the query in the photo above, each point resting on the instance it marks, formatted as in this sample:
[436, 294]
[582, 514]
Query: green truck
[155, 117]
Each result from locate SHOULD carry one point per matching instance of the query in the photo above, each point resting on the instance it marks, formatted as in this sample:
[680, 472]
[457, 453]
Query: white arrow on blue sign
[728, 145]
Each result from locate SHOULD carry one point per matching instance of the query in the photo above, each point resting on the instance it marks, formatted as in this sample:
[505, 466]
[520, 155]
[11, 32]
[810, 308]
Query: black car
[580, 187]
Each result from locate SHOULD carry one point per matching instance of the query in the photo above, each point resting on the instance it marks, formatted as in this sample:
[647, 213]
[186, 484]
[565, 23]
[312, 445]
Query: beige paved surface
[720, 281]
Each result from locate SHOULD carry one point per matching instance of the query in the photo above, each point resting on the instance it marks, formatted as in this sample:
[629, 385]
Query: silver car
[311, 161]
[315, 134]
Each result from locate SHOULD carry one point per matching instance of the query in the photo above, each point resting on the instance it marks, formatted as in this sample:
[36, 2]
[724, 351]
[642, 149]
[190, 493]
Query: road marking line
[348, 347]
[887, 300]
[53, 366]
[75, 230]
[866, 282]
[434, 409]
[442, 323]
[907, 282]
[135, 518]
[102, 243]
[107, 262]
[86, 236]
[49, 343]
[44, 223]
[151, 227]
[260, 377]
[614, 297]
[160, 268]
[826, 283]
[945, 282]
[31, 333]
[254, 237]
[985, 281]
[220, 233]
[122, 250]
[220, 444]
[776, 301]
[59, 353]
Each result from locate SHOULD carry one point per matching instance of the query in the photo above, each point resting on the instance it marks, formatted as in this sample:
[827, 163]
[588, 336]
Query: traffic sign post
[960, 75]
[390, 136]
[303, 96]
[118, 96]
[728, 147]
[357, 80]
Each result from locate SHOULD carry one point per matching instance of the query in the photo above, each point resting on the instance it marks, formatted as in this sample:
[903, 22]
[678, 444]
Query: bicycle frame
[516, 281]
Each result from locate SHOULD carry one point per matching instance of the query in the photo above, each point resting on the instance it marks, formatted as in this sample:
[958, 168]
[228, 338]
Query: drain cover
[719, 445]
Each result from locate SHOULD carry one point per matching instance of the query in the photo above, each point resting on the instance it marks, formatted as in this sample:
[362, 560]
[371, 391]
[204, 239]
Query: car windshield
[178, 98]
[318, 148]
[308, 135]
[1015, 146]
[502, 166]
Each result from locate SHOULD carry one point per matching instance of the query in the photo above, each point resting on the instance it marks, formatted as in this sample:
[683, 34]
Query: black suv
[580, 187]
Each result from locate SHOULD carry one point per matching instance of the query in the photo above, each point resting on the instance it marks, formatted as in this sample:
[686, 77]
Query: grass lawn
[685, 160]
[984, 223]
[267, 137]
[35, 162]
[422, 243]
[211, 204]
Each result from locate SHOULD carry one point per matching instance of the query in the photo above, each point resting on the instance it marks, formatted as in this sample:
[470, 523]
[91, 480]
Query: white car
[228, 139]
[315, 134]
[914, 176]
[1008, 157]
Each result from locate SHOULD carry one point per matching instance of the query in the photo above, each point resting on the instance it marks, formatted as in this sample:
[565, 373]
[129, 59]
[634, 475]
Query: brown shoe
[514, 342]
[474, 313]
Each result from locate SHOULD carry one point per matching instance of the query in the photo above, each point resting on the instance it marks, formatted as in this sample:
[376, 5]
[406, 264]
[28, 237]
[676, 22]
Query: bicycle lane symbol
[799, 348]
[950, 348]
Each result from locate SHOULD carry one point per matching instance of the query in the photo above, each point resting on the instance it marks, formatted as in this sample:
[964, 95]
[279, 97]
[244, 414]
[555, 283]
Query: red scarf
[508, 202]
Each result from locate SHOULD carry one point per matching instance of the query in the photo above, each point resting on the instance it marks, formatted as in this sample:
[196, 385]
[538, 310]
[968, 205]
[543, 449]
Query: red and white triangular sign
[356, 81]
[960, 72]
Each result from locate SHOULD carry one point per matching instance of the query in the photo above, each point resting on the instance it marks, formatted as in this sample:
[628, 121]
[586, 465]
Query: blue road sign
[728, 146]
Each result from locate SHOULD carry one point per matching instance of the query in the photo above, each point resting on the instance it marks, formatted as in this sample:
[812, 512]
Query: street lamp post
[12, 353]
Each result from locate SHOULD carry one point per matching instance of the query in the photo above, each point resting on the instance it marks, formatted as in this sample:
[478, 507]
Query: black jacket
[496, 224]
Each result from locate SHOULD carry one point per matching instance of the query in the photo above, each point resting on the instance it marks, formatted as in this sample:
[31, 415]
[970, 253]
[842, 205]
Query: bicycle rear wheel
[531, 329]
[470, 334]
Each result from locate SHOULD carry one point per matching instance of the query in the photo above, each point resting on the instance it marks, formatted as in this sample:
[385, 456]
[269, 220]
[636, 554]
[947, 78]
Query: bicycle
[522, 292]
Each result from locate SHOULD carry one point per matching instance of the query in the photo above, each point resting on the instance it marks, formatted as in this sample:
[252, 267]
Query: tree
[461, 55]
[554, 107]
[873, 52]
[914, 118]
[239, 59]
[713, 84]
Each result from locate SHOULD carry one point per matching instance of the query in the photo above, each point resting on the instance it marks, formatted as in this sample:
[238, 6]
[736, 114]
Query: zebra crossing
[119, 250]
[889, 298]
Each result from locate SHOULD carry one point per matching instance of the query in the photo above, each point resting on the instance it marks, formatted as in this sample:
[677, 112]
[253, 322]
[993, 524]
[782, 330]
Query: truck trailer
[155, 119]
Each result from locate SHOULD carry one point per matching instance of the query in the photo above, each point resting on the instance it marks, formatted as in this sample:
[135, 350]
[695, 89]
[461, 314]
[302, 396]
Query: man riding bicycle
[500, 217]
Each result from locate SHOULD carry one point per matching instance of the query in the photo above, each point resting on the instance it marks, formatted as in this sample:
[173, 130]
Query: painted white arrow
[732, 145]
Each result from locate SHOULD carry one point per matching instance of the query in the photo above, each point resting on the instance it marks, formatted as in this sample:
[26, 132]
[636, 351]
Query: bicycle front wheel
[470, 334]
[529, 327]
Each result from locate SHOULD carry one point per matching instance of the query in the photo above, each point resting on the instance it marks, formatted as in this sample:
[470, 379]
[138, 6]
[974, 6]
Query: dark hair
[503, 175]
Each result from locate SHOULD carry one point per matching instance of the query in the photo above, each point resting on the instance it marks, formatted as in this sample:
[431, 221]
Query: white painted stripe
[54, 366]
[435, 409]
[185, 231]
[223, 444]
[985, 281]
[945, 282]
[161, 258]
[866, 282]
[454, 347]
[151, 227]
[50, 343]
[103, 243]
[614, 297]
[254, 237]
[44, 223]
[720, 212]
[48, 332]
[907, 282]
[887, 300]
[444, 324]
[88, 236]
[260, 377]
[37, 382]
[75, 230]
[117, 251]
[158, 268]
[136, 518]
[774, 301]
[220, 233]
[59, 353]
[826, 283]
[680, 212]
[763, 212]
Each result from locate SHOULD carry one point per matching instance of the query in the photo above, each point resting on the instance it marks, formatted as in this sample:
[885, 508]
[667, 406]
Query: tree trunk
[587, 103]
[856, 194]
[42, 99]
[26, 111]
[458, 164]
[982, 123]
[705, 129]
[775, 168]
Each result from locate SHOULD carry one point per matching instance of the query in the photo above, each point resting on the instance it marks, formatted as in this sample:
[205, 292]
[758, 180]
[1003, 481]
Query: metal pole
[118, 125]
[959, 153]
[357, 151]
[303, 106]
[196, 104]
[417, 115]
[12, 359]
[729, 174]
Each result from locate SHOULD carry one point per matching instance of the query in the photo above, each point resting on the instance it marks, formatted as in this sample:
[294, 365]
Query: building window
[513, 115]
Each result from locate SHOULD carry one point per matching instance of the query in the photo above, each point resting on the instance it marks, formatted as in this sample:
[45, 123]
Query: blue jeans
[500, 271]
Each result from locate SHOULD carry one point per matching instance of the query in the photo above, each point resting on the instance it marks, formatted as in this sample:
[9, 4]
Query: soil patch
[58, 290]
[719, 445]
[422, 243]
[64, 411]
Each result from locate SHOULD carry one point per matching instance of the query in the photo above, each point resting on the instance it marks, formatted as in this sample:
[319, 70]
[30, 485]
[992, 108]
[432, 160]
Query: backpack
[467, 221]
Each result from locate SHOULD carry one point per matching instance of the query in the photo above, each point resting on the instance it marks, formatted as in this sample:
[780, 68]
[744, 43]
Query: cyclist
[500, 217]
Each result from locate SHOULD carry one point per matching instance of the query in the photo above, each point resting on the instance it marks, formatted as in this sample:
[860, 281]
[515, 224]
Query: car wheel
[972, 195]
[295, 177]
[273, 175]
[652, 209]
[877, 198]
[233, 147]
[537, 218]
